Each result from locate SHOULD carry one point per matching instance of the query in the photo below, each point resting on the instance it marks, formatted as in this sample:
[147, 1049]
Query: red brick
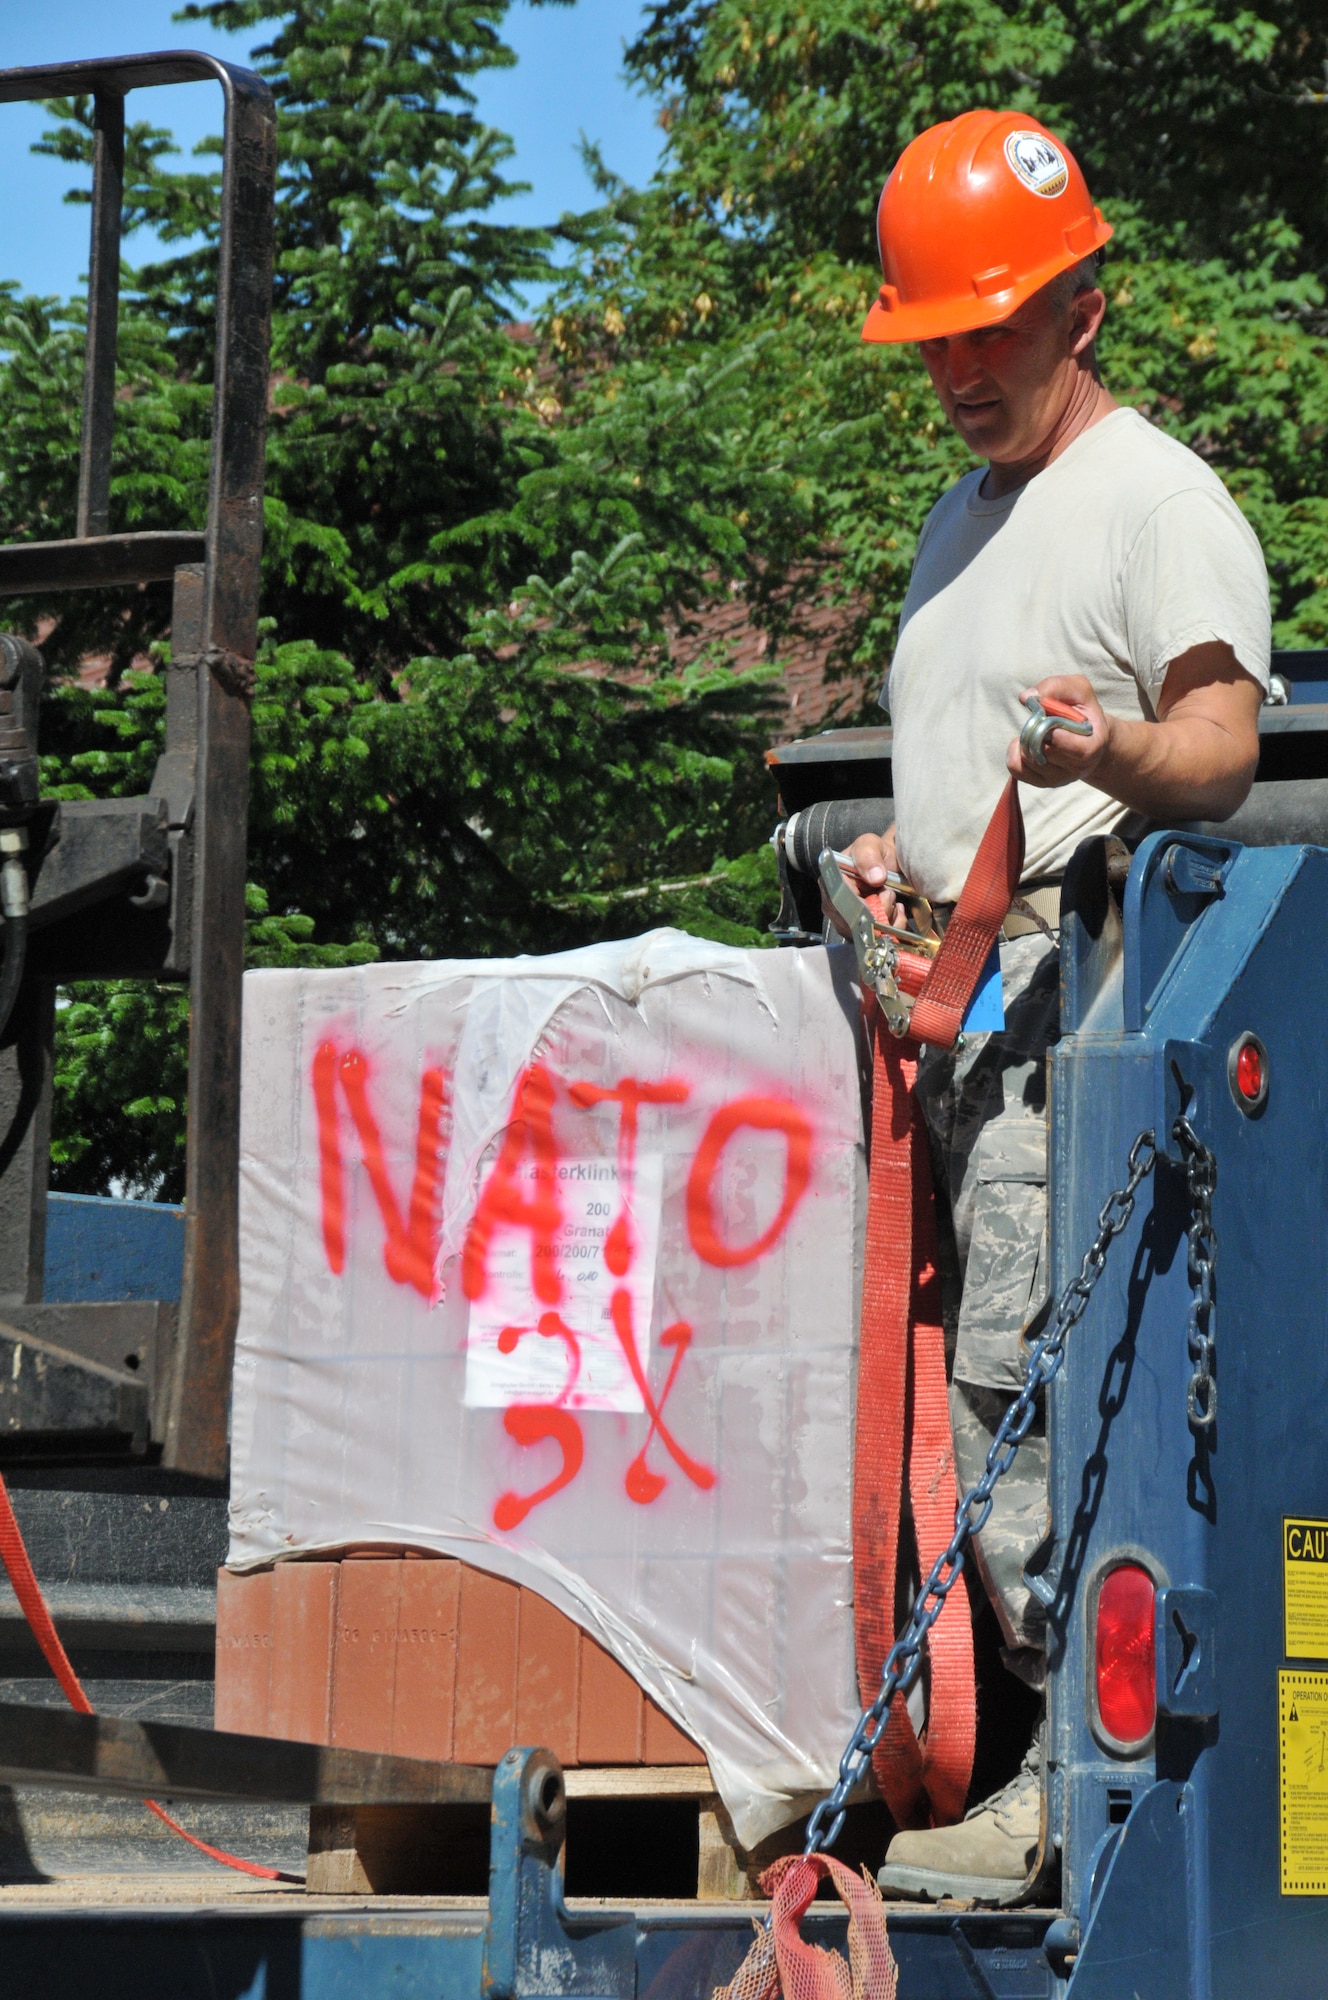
[548, 1678]
[486, 1668]
[609, 1729]
[244, 1651]
[364, 1677]
[665, 1742]
[426, 1659]
[304, 1610]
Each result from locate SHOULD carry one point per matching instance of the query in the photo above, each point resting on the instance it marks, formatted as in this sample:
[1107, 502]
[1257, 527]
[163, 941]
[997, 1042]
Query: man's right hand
[873, 857]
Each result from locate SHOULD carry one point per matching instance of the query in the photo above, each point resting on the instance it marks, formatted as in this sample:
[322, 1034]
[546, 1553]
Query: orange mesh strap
[809, 1971]
[984, 901]
[18, 1563]
[781, 1965]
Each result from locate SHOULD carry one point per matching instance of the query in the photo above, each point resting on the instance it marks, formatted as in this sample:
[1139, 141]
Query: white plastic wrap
[605, 1348]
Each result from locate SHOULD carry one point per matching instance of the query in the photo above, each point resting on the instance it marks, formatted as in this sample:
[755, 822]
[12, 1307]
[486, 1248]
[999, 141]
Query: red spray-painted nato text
[522, 1193]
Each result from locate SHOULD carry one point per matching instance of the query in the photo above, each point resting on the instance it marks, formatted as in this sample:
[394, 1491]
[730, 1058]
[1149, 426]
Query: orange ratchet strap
[903, 1413]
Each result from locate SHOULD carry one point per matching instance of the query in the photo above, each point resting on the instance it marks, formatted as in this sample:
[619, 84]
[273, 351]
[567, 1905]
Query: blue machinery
[1191, 1867]
[1189, 1855]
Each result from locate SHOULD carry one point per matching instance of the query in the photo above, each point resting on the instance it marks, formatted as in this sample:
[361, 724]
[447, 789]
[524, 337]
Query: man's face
[1006, 387]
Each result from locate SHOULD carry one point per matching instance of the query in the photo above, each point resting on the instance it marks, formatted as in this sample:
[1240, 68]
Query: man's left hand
[1196, 761]
[1069, 756]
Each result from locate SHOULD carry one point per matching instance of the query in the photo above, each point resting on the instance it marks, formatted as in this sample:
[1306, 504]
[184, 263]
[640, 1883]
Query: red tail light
[1249, 1071]
[1126, 1691]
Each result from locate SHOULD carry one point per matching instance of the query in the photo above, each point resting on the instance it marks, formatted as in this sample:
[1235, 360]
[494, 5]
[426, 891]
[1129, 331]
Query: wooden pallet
[643, 1832]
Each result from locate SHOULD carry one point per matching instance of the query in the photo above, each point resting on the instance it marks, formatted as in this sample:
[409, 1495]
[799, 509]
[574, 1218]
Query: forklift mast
[150, 887]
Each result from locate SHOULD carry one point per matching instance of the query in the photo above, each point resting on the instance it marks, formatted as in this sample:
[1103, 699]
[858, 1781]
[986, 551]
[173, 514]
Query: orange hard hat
[978, 214]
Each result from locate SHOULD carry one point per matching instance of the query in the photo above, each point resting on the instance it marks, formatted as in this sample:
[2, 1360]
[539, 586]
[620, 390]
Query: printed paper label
[521, 1350]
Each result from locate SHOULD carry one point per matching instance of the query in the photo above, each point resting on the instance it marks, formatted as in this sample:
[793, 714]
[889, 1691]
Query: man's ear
[1087, 312]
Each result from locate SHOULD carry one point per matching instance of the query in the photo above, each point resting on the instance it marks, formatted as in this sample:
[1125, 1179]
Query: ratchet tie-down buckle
[878, 946]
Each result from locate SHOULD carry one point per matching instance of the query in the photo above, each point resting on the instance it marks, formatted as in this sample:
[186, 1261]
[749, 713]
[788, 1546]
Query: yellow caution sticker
[1305, 1588]
[1302, 1727]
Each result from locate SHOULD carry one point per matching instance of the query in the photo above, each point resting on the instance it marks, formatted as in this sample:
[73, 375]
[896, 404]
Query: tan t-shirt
[1119, 557]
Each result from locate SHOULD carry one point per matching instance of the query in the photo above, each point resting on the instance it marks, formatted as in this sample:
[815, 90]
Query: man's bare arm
[1197, 761]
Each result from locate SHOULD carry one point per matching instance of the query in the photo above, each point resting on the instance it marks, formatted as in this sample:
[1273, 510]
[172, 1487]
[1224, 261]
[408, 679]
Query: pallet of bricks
[418, 1655]
[543, 1394]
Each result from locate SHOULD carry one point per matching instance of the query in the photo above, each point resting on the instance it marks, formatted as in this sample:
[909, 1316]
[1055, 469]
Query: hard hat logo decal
[1038, 162]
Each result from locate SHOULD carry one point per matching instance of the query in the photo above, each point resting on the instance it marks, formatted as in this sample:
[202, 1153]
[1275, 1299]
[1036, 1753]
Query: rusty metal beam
[94, 458]
[95, 564]
[109, 1754]
[197, 1428]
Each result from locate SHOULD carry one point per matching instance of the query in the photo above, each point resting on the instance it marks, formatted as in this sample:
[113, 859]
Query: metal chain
[904, 1660]
[1201, 1176]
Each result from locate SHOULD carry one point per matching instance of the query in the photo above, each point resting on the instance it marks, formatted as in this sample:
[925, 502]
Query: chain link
[1201, 1177]
[904, 1660]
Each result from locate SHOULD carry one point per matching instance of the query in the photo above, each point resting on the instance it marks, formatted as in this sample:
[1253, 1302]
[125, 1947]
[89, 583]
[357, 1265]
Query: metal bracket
[1185, 1071]
[1185, 1650]
[532, 1945]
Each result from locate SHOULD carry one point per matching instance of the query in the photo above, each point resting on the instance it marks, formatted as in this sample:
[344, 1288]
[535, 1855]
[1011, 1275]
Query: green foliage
[783, 121]
[120, 1088]
[427, 776]
[488, 549]
[784, 118]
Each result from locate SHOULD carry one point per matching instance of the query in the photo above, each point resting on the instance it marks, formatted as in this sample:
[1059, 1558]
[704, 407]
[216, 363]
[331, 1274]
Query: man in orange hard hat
[1096, 561]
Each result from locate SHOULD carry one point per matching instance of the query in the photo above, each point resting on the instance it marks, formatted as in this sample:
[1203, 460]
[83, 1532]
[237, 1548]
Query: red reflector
[1249, 1071]
[1126, 1694]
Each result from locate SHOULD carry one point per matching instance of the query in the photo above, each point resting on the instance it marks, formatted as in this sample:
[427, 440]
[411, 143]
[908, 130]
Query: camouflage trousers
[986, 1112]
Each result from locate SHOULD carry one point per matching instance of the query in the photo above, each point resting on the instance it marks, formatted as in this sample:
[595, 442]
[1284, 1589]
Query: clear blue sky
[567, 81]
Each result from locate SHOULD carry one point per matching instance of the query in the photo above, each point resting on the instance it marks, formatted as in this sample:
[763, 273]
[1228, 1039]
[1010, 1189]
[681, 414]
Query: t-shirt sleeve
[1195, 574]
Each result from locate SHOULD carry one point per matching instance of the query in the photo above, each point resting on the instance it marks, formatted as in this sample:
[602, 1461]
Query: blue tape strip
[986, 1010]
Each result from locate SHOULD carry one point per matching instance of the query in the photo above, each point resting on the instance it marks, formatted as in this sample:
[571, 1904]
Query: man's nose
[963, 365]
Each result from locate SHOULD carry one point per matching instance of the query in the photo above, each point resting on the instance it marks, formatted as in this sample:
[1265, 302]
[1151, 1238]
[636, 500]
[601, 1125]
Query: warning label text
[1305, 1588]
[1302, 1728]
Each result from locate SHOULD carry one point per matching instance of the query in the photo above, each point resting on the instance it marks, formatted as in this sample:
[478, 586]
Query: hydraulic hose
[832, 823]
[14, 904]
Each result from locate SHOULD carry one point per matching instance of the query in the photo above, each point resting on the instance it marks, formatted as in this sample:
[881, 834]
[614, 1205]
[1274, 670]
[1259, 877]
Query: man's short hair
[1081, 277]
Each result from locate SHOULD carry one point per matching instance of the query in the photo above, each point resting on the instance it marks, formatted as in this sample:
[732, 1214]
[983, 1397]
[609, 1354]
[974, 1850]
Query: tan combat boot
[988, 1858]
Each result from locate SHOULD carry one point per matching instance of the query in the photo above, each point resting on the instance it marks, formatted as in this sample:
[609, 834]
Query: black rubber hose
[1285, 812]
[11, 967]
[833, 823]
